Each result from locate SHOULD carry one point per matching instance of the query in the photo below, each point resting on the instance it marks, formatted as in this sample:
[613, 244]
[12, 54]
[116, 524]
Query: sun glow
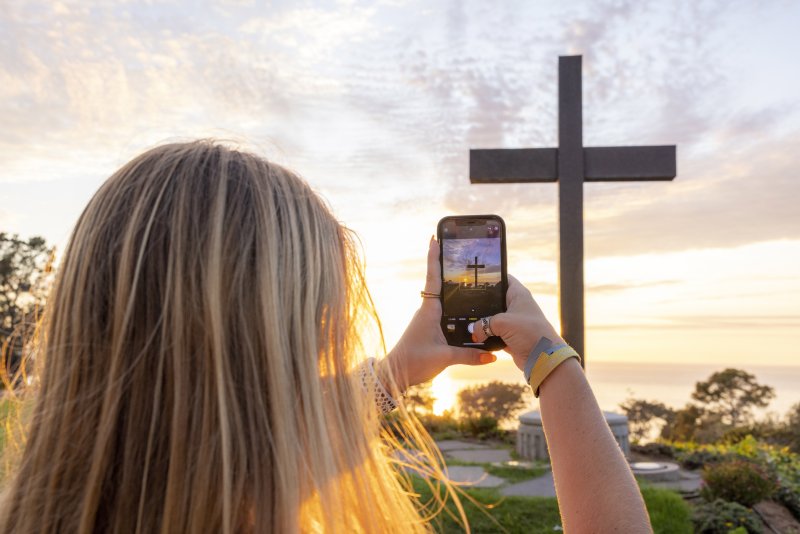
[444, 390]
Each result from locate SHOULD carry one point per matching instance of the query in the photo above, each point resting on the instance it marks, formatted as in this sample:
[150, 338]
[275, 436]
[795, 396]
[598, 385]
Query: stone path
[473, 475]
[543, 486]
[476, 475]
[488, 456]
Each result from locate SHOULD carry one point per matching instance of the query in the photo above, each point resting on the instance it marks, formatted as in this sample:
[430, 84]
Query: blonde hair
[197, 364]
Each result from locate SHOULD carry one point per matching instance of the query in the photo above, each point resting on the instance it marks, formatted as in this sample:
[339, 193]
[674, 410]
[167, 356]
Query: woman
[202, 370]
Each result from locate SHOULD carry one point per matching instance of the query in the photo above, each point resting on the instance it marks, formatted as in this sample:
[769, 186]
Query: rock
[777, 517]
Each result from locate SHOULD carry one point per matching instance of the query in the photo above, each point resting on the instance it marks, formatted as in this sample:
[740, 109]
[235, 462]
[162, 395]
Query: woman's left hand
[423, 352]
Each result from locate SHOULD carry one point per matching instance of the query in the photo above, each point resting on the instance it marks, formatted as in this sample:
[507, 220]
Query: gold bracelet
[547, 363]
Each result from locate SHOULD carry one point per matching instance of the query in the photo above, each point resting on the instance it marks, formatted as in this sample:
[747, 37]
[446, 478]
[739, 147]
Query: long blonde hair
[197, 356]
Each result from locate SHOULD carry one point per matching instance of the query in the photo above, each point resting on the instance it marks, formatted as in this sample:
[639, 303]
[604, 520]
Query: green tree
[733, 393]
[643, 414]
[25, 279]
[684, 423]
[499, 400]
[792, 427]
[419, 398]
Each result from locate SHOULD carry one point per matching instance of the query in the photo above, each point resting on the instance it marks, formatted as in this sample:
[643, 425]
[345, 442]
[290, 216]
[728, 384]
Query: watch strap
[544, 346]
[546, 364]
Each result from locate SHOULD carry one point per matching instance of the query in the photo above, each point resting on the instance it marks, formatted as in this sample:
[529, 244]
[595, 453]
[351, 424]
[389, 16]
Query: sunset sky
[377, 105]
[460, 253]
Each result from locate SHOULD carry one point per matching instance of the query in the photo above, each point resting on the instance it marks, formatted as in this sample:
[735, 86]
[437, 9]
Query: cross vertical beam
[570, 200]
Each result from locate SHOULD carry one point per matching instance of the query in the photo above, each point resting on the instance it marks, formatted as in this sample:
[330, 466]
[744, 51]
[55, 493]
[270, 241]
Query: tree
[419, 397]
[684, 424]
[792, 427]
[25, 278]
[498, 400]
[733, 393]
[641, 415]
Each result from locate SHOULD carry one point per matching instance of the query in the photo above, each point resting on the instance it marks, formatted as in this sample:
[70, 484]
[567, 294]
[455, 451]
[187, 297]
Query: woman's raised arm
[594, 484]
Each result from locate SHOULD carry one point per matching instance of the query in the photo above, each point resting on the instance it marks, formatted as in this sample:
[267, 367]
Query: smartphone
[474, 277]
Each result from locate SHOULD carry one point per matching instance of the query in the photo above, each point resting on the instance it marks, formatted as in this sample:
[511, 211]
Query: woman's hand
[423, 352]
[521, 326]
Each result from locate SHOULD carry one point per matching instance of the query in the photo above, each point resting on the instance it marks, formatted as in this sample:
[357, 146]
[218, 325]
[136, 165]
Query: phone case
[495, 342]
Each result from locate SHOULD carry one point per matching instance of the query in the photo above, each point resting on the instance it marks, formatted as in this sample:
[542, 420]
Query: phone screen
[474, 276]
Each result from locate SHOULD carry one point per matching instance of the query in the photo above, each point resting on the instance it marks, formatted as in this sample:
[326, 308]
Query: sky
[459, 254]
[377, 105]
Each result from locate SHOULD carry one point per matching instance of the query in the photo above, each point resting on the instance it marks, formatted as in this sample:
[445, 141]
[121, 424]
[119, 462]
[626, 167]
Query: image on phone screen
[473, 275]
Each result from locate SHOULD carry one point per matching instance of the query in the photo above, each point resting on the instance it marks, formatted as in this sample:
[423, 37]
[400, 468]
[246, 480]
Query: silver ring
[486, 323]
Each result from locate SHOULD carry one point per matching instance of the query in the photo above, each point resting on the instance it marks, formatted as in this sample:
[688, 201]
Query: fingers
[433, 280]
[515, 290]
[470, 356]
[495, 327]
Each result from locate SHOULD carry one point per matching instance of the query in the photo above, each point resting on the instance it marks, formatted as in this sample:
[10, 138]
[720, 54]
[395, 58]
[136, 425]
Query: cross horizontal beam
[511, 165]
[601, 164]
[629, 163]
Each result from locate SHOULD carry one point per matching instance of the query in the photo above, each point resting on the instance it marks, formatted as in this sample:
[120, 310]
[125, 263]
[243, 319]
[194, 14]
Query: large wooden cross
[476, 266]
[570, 165]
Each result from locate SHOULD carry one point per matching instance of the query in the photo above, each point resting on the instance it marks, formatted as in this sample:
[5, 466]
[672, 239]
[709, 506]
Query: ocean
[613, 382]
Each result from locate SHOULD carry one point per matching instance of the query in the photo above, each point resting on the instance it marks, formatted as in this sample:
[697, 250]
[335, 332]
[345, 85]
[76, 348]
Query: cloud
[709, 322]
[549, 288]
[378, 107]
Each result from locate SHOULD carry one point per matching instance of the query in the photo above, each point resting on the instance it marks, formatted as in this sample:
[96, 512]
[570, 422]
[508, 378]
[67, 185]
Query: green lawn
[5, 408]
[669, 514]
[515, 474]
[9, 419]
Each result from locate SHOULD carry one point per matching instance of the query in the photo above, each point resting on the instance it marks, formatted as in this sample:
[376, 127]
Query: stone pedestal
[531, 443]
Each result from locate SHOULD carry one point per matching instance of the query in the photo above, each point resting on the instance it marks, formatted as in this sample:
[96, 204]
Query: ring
[487, 327]
[429, 295]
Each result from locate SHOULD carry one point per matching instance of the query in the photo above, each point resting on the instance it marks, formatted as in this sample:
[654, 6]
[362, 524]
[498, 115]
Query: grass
[515, 474]
[669, 514]
[5, 410]
[12, 411]
[514, 514]
[5, 413]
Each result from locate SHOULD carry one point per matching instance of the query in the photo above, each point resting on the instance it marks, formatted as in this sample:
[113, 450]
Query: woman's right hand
[521, 326]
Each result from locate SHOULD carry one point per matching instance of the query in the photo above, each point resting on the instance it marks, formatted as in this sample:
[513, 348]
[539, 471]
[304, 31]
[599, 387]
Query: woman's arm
[594, 484]
[595, 487]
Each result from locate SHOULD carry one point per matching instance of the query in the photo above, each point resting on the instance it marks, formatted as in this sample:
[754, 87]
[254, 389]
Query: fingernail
[488, 357]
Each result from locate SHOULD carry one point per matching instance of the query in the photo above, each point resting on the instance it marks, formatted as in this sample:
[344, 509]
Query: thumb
[498, 323]
[465, 356]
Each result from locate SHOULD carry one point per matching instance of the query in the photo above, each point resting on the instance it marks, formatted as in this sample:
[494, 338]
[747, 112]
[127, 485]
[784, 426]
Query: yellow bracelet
[547, 363]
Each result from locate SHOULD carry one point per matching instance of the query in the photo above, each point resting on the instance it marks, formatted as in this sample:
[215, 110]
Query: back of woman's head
[196, 355]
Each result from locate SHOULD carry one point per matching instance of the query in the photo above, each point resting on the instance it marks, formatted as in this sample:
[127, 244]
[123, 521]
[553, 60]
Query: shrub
[498, 400]
[479, 427]
[440, 426]
[653, 449]
[721, 517]
[700, 458]
[738, 481]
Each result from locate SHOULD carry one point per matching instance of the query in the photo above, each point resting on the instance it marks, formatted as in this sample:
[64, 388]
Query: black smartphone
[474, 278]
